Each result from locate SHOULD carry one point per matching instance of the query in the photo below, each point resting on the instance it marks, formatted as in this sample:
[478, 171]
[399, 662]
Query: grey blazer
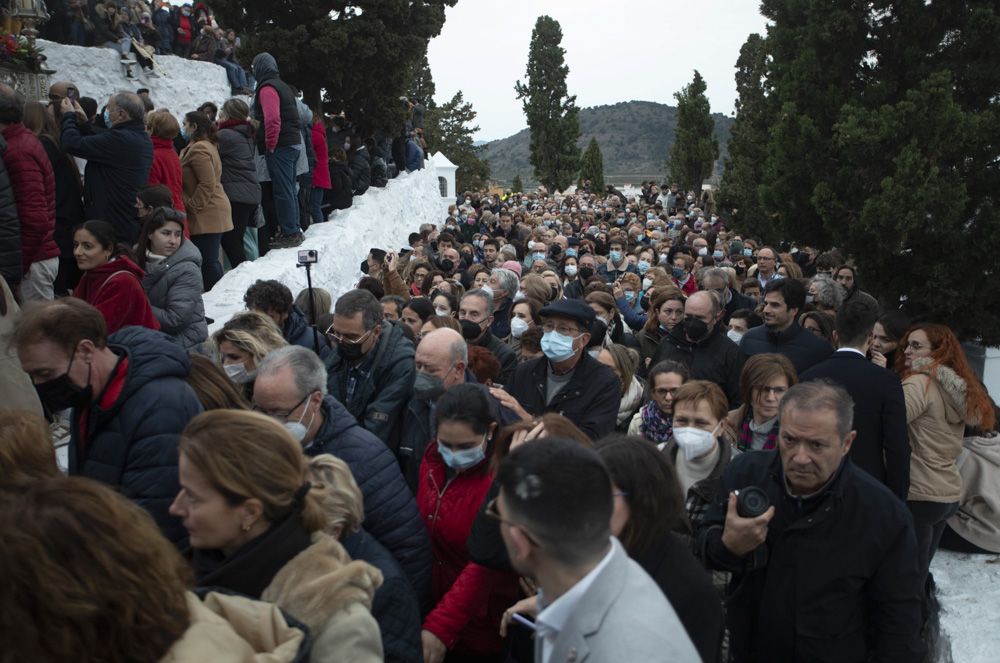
[623, 616]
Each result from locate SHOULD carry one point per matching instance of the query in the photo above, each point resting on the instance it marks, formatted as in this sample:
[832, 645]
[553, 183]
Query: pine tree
[517, 186]
[353, 56]
[551, 113]
[747, 147]
[420, 82]
[448, 128]
[695, 148]
[592, 166]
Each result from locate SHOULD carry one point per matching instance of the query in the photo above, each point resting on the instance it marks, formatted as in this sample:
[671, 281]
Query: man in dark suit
[882, 447]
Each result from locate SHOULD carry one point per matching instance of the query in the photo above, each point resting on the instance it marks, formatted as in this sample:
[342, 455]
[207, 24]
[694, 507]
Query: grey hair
[821, 394]
[307, 368]
[508, 251]
[363, 302]
[459, 352]
[508, 280]
[131, 103]
[485, 296]
[716, 273]
[828, 292]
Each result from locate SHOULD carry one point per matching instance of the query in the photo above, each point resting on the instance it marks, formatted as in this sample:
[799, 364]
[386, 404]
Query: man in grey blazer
[554, 508]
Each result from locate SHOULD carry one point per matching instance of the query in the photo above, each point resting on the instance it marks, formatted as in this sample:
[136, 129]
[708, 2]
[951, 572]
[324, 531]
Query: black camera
[308, 256]
[752, 502]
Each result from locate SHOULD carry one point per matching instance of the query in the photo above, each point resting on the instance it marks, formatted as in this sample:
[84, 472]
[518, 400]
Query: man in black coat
[291, 387]
[883, 446]
[701, 344]
[371, 368]
[780, 333]
[11, 268]
[829, 571]
[566, 379]
[129, 399]
[476, 315]
[118, 161]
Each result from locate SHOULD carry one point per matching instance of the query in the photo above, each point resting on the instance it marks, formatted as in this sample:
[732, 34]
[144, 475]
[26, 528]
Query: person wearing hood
[111, 282]
[118, 160]
[128, 396]
[942, 397]
[107, 555]
[701, 344]
[291, 388]
[173, 277]
[277, 113]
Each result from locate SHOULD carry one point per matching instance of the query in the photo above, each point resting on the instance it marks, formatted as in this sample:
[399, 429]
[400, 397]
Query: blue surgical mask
[538, 256]
[629, 296]
[615, 256]
[678, 272]
[642, 266]
[463, 459]
[571, 253]
[557, 347]
[747, 252]
[650, 216]
[107, 119]
[620, 221]
[717, 254]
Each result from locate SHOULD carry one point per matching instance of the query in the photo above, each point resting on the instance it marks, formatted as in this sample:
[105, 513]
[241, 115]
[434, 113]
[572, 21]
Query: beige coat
[935, 420]
[16, 390]
[208, 209]
[978, 517]
[331, 595]
[234, 629]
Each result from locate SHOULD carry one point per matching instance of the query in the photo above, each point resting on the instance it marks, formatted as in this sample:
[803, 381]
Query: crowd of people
[552, 426]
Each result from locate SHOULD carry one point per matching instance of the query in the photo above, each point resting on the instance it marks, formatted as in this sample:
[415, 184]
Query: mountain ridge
[635, 138]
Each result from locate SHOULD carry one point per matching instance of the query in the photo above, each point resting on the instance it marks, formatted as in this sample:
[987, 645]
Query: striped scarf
[745, 441]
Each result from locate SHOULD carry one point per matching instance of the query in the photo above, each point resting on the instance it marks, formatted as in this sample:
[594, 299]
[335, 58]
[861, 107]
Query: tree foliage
[739, 193]
[885, 142]
[551, 113]
[695, 148]
[354, 53]
[517, 186]
[420, 82]
[592, 166]
[448, 128]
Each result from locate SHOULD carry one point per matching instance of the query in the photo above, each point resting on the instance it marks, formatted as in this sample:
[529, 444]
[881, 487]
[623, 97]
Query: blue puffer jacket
[395, 606]
[391, 514]
[132, 445]
[298, 331]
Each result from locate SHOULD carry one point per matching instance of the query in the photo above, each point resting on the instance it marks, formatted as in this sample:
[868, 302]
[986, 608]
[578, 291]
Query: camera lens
[752, 502]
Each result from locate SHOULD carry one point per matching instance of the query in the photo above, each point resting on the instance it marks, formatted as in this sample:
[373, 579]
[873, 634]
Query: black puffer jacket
[361, 171]
[395, 605]
[132, 444]
[715, 358]
[803, 348]
[341, 189]
[379, 398]
[298, 331]
[838, 570]
[391, 514]
[239, 167]
[10, 227]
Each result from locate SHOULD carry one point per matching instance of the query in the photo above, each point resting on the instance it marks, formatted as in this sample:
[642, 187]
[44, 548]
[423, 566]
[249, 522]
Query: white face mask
[570, 270]
[647, 284]
[238, 372]
[694, 442]
[734, 336]
[443, 312]
[520, 296]
[518, 327]
[299, 429]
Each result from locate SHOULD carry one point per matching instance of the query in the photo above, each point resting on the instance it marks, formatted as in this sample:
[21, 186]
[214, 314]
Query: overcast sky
[617, 50]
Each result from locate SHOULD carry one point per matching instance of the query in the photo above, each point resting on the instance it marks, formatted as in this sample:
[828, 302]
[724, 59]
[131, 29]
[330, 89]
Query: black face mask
[447, 266]
[470, 330]
[586, 272]
[695, 329]
[61, 393]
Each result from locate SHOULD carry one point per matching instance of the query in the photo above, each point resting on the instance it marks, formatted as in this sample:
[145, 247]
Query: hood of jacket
[321, 581]
[186, 252]
[264, 67]
[336, 420]
[151, 356]
[954, 388]
[234, 629]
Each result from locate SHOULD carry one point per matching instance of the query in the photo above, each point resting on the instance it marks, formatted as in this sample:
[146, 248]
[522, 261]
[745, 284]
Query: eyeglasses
[913, 345]
[493, 512]
[764, 390]
[330, 333]
[663, 392]
[565, 330]
[283, 416]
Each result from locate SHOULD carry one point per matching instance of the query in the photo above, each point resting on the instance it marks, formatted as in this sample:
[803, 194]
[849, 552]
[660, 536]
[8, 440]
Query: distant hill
[635, 138]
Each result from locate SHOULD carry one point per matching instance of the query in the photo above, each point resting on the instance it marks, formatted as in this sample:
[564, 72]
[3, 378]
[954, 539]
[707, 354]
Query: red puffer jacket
[469, 599]
[115, 289]
[34, 192]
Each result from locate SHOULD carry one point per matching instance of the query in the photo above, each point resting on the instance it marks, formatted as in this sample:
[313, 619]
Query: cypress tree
[592, 166]
[695, 148]
[517, 186]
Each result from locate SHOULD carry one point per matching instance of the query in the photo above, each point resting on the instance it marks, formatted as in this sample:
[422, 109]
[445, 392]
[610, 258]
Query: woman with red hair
[943, 396]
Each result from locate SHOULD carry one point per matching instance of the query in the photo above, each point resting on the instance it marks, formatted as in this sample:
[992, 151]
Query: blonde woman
[242, 342]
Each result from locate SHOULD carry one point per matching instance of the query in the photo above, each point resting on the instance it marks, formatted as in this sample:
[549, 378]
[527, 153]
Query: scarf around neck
[656, 426]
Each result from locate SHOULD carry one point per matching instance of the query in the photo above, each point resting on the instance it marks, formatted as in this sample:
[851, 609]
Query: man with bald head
[118, 160]
[701, 344]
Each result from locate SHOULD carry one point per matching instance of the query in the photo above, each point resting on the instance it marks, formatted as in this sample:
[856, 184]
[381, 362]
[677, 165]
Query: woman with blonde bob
[96, 582]
[256, 528]
[242, 343]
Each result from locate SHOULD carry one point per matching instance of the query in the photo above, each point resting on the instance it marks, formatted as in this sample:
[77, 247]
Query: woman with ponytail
[256, 528]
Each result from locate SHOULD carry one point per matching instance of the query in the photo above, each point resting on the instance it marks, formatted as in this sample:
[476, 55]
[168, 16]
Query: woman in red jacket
[111, 282]
[321, 174]
[469, 599]
[163, 128]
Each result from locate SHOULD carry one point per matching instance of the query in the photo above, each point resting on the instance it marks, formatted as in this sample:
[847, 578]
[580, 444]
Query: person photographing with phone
[833, 559]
